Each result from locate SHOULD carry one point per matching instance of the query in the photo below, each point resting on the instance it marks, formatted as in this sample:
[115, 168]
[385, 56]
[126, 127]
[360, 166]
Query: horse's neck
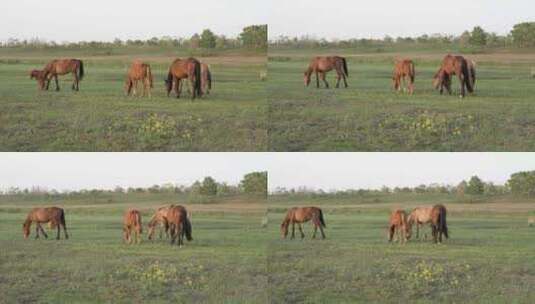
[309, 70]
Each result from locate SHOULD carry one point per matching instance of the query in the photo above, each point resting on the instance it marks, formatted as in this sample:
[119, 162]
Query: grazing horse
[435, 215]
[179, 224]
[438, 223]
[453, 65]
[38, 75]
[132, 225]
[398, 225]
[138, 71]
[184, 69]
[301, 215]
[404, 71]
[322, 65]
[53, 215]
[159, 219]
[62, 67]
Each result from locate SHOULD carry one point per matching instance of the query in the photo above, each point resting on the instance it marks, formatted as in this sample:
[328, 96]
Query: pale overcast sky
[373, 170]
[72, 171]
[366, 19]
[75, 20]
[67, 171]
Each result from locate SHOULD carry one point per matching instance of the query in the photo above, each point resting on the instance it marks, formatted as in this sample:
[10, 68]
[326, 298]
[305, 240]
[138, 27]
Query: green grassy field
[225, 263]
[490, 257]
[369, 116]
[101, 118]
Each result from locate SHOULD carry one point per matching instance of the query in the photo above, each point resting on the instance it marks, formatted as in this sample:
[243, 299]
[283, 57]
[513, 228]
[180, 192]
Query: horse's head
[307, 78]
[26, 229]
[438, 79]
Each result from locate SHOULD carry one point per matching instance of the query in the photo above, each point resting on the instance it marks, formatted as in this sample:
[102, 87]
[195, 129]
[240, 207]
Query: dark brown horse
[62, 67]
[398, 225]
[438, 223]
[453, 65]
[321, 65]
[179, 224]
[132, 225]
[301, 215]
[53, 215]
[180, 69]
[159, 219]
[404, 71]
[139, 71]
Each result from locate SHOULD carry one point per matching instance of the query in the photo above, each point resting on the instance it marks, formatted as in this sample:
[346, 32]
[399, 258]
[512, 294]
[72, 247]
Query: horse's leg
[345, 80]
[42, 230]
[301, 230]
[338, 77]
[321, 231]
[65, 231]
[317, 80]
[36, 230]
[434, 232]
[315, 231]
[74, 86]
[58, 229]
[293, 230]
[57, 82]
[323, 77]
[462, 81]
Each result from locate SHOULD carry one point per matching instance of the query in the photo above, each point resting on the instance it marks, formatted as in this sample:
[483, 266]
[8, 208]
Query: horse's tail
[467, 76]
[197, 84]
[81, 70]
[344, 64]
[209, 79]
[149, 76]
[412, 72]
[442, 222]
[322, 220]
[187, 229]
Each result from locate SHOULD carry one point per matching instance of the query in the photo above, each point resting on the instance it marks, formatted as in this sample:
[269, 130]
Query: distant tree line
[522, 36]
[520, 184]
[254, 37]
[254, 183]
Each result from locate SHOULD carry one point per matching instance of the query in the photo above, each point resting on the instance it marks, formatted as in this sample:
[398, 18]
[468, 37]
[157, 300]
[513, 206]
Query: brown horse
[404, 71]
[159, 219]
[62, 67]
[38, 75]
[419, 216]
[436, 216]
[322, 65]
[453, 65]
[301, 215]
[398, 225]
[138, 71]
[53, 215]
[179, 224]
[132, 225]
[184, 69]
